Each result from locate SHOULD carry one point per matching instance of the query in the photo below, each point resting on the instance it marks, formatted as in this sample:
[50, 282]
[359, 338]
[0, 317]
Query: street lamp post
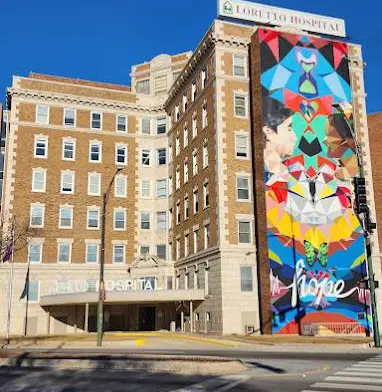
[367, 234]
[101, 288]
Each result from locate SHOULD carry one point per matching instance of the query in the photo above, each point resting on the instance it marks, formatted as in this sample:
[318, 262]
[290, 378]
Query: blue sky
[100, 40]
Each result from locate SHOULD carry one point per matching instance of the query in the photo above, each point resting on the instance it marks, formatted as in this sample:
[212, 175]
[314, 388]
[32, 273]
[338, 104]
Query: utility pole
[101, 286]
[363, 213]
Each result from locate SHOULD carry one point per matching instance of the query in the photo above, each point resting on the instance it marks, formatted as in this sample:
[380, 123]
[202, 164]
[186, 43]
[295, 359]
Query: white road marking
[354, 379]
[351, 373]
[344, 387]
[369, 364]
[363, 369]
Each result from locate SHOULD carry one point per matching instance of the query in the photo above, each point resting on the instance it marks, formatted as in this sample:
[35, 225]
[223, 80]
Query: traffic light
[369, 225]
[360, 195]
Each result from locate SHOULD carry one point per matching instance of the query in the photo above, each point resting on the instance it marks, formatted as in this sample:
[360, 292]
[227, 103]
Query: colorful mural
[316, 246]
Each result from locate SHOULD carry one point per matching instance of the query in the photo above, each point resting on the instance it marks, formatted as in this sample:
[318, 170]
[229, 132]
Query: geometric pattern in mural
[316, 246]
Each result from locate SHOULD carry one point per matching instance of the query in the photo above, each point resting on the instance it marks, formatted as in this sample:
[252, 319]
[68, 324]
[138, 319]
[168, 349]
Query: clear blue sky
[100, 40]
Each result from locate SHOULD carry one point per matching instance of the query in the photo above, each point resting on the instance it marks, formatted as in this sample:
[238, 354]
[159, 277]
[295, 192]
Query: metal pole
[101, 288]
[10, 292]
[27, 301]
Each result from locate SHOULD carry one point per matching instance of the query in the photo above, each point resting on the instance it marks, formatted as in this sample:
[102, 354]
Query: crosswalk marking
[358, 374]
[344, 387]
[354, 379]
[363, 369]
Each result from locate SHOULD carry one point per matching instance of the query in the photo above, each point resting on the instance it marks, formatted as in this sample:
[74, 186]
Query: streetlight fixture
[365, 220]
[101, 286]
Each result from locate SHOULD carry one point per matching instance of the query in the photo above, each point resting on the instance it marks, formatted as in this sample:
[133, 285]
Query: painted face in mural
[283, 139]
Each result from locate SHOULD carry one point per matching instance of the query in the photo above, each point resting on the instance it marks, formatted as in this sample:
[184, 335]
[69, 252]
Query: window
[119, 219]
[160, 84]
[67, 182]
[33, 293]
[241, 146]
[118, 254]
[170, 186]
[42, 114]
[195, 163]
[93, 218]
[94, 184]
[41, 147]
[208, 316]
[206, 194]
[37, 213]
[193, 91]
[143, 86]
[66, 217]
[69, 117]
[68, 149]
[177, 178]
[170, 219]
[96, 122]
[161, 156]
[64, 250]
[170, 153]
[145, 126]
[169, 283]
[92, 253]
[244, 232]
[204, 77]
[196, 202]
[161, 252]
[240, 106]
[39, 180]
[246, 281]
[205, 156]
[186, 208]
[161, 125]
[120, 186]
[177, 249]
[121, 123]
[161, 221]
[206, 236]
[242, 184]
[177, 114]
[161, 188]
[177, 146]
[239, 65]
[186, 245]
[145, 220]
[145, 250]
[204, 117]
[185, 102]
[120, 154]
[95, 152]
[178, 213]
[35, 252]
[145, 158]
[196, 238]
[185, 137]
[145, 188]
[185, 171]
[194, 127]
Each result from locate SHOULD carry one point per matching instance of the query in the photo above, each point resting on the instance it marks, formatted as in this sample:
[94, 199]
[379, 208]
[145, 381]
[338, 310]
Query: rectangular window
[185, 137]
[161, 252]
[170, 186]
[145, 158]
[95, 152]
[39, 180]
[119, 219]
[161, 156]
[37, 213]
[67, 182]
[66, 217]
[169, 283]
[120, 186]
[194, 127]
[206, 195]
[186, 208]
[196, 241]
[177, 178]
[96, 120]
[143, 86]
[186, 245]
[145, 188]
[240, 105]
[185, 102]
[145, 250]
[185, 171]
[204, 77]
[196, 202]
[93, 218]
[242, 184]
[246, 280]
[204, 117]
[94, 184]
[119, 254]
[69, 117]
[160, 84]
[241, 146]
[121, 123]
[161, 125]
[146, 126]
[170, 153]
[178, 213]
[42, 114]
[195, 163]
[193, 91]
[64, 252]
[145, 221]
[92, 251]
[161, 188]
[177, 249]
[238, 65]
[177, 113]
[41, 147]
[33, 291]
[177, 146]
[206, 236]
[161, 221]
[120, 154]
[244, 232]
[35, 252]
[68, 149]
[170, 219]
[205, 156]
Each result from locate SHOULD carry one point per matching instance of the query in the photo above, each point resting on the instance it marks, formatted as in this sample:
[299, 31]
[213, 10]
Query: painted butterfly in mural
[320, 254]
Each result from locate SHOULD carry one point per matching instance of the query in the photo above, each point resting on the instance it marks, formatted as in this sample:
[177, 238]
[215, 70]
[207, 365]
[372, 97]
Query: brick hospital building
[228, 182]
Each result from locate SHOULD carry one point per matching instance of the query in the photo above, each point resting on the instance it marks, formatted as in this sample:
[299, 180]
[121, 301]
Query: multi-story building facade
[230, 209]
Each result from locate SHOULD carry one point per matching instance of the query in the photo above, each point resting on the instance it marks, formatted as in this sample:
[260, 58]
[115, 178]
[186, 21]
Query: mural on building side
[316, 246]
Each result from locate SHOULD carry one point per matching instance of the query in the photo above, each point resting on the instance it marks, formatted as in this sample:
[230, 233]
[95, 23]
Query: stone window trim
[87, 252]
[247, 177]
[36, 241]
[124, 253]
[124, 147]
[35, 171]
[240, 94]
[39, 138]
[117, 123]
[124, 211]
[92, 113]
[64, 117]
[123, 178]
[93, 143]
[38, 108]
[242, 134]
[88, 210]
[234, 65]
[62, 182]
[68, 140]
[58, 251]
[42, 207]
[69, 207]
[99, 176]
[245, 244]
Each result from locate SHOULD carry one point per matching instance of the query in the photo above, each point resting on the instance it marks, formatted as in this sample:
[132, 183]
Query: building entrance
[147, 318]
